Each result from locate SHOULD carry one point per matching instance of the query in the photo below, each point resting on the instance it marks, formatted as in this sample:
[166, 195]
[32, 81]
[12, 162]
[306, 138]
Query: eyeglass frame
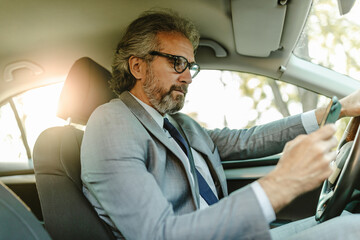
[175, 58]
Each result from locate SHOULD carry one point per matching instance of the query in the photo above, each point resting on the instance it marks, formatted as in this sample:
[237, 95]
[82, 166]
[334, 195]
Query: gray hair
[140, 39]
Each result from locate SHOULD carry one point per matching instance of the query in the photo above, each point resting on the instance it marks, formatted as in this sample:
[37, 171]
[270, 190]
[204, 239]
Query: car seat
[17, 222]
[66, 211]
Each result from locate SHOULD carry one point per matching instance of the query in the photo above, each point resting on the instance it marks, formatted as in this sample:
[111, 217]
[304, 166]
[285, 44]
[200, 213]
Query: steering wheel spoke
[323, 200]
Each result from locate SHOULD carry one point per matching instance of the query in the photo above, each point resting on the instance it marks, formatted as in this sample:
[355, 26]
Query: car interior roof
[52, 34]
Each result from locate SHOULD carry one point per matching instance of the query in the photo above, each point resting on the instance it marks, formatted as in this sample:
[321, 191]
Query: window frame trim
[22, 130]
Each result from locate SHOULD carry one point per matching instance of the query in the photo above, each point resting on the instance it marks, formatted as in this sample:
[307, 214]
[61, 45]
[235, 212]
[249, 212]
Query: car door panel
[242, 173]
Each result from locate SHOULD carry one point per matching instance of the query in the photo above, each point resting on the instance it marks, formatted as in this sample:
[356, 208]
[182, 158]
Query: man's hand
[350, 107]
[304, 165]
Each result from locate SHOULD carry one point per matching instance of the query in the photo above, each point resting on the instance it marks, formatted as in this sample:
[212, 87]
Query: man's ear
[137, 67]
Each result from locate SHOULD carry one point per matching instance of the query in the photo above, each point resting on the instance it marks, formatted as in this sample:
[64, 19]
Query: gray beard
[161, 99]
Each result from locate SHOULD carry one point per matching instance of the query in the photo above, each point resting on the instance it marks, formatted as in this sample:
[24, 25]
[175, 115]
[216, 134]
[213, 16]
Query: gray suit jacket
[137, 182]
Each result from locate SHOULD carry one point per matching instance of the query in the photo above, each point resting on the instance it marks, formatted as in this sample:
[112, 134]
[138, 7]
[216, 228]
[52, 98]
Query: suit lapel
[203, 145]
[191, 159]
[193, 137]
[149, 123]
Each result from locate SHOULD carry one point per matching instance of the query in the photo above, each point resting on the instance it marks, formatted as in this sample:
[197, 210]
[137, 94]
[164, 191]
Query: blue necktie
[204, 189]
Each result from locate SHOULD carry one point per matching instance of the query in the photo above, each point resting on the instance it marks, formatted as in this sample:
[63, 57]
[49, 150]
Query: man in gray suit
[153, 173]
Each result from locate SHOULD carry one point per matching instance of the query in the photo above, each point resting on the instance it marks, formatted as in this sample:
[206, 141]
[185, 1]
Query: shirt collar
[159, 119]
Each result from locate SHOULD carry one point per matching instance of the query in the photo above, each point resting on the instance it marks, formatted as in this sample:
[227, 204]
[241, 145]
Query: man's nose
[185, 77]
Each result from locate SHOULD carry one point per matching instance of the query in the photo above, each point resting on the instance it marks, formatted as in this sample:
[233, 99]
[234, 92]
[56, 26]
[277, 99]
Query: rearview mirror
[345, 6]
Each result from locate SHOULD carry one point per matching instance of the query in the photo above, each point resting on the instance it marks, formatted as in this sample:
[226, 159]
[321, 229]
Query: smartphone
[332, 112]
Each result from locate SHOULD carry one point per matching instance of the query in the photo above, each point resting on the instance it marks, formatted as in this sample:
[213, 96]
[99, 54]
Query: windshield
[332, 40]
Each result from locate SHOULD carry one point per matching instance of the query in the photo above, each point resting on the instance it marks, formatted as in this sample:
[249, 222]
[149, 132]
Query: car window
[36, 111]
[218, 99]
[11, 144]
[332, 40]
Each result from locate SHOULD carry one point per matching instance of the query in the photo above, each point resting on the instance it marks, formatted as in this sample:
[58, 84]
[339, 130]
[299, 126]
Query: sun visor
[258, 26]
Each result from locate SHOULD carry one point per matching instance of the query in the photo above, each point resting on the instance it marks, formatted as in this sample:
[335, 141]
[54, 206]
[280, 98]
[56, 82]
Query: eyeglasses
[180, 63]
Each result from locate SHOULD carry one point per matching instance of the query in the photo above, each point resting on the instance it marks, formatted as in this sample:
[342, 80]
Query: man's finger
[324, 132]
[327, 145]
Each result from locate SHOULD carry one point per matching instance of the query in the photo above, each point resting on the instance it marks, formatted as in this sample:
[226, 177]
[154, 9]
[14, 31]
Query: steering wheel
[338, 188]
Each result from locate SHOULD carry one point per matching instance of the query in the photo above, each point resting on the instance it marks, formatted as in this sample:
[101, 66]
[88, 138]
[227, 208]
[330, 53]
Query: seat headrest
[86, 87]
